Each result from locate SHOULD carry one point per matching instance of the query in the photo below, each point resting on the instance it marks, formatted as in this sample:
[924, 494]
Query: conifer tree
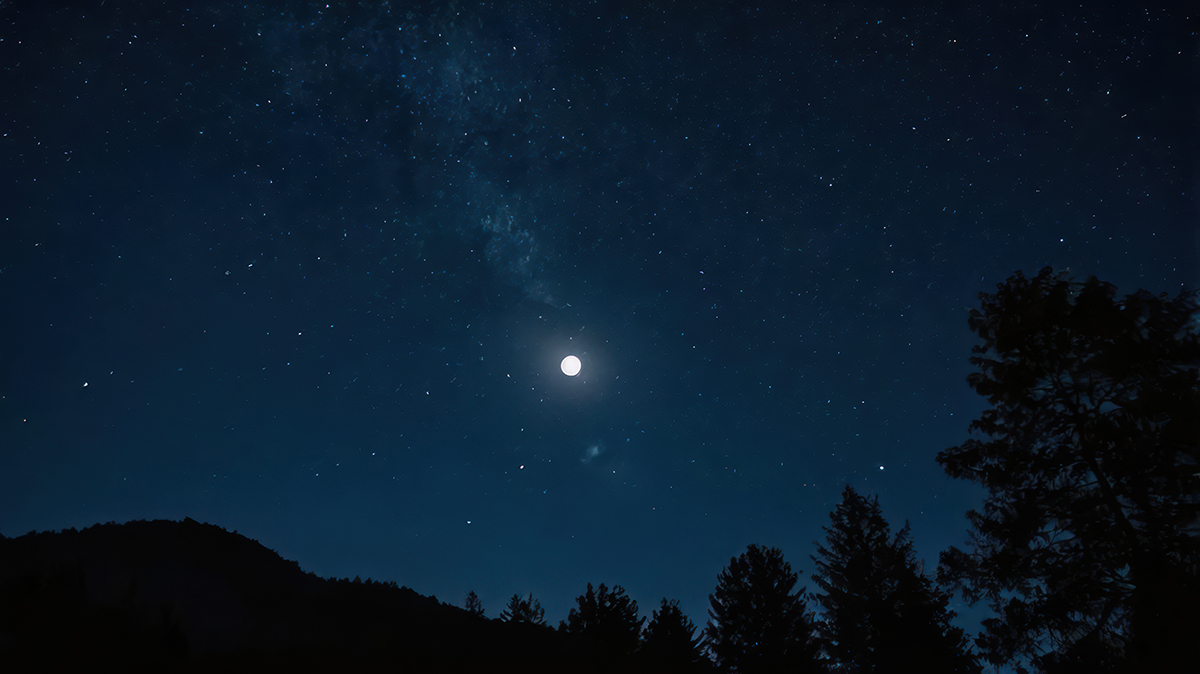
[608, 618]
[757, 624]
[880, 612]
[473, 604]
[669, 642]
[1087, 544]
[528, 610]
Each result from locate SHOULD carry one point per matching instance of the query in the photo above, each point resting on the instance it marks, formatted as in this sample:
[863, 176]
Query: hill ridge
[185, 595]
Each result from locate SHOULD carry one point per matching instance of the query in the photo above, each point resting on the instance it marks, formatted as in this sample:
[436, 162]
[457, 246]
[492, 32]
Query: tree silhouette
[757, 624]
[528, 610]
[473, 605]
[669, 642]
[607, 618]
[1086, 545]
[881, 613]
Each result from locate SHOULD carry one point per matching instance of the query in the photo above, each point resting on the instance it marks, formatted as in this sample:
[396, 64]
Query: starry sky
[307, 272]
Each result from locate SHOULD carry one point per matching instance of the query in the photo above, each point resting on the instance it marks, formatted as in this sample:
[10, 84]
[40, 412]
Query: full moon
[570, 366]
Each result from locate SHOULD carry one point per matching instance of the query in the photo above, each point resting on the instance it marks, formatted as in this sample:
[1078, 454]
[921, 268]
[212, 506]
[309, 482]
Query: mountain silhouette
[186, 596]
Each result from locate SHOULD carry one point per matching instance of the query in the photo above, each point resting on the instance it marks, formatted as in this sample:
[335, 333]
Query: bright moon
[570, 366]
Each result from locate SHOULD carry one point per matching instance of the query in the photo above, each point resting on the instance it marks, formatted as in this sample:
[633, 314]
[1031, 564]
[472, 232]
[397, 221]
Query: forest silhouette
[1085, 547]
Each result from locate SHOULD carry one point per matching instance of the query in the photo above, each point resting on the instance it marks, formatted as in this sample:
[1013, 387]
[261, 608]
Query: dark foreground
[185, 596]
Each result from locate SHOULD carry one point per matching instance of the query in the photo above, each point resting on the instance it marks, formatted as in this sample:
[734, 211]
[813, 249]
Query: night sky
[308, 273]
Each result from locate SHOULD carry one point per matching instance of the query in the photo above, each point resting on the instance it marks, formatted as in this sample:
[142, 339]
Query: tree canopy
[880, 612]
[757, 623]
[607, 618]
[473, 604]
[1086, 546]
[527, 610]
[670, 639]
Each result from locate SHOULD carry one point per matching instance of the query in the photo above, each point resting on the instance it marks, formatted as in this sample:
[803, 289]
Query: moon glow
[570, 366]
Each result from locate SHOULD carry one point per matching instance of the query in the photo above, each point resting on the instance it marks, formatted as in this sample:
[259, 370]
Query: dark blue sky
[308, 273]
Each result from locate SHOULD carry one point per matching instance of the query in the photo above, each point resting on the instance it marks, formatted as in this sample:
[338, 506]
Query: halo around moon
[571, 365]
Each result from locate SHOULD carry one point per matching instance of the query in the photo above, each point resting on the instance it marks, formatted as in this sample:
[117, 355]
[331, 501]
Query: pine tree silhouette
[880, 612]
[528, 610]
[473, 605]
[608, 619]
[669, 642]
[757, 624]
[1086, 545]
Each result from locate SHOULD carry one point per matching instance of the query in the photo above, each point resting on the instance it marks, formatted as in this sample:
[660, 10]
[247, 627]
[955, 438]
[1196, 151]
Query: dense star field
[308, 271]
